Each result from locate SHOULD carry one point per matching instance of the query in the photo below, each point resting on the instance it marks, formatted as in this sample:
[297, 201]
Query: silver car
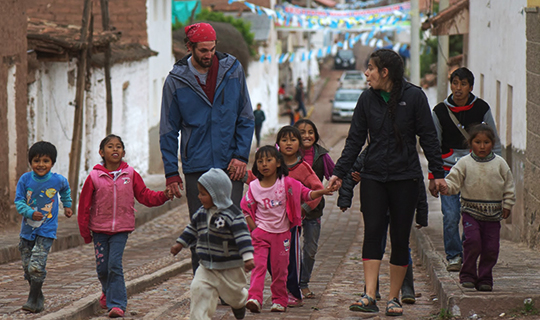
[344, 103]
[353, 80]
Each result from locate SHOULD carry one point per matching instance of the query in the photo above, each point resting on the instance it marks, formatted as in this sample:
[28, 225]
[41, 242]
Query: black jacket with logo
[386, 160]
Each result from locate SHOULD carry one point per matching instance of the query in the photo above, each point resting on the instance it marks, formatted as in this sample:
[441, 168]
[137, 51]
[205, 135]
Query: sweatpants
[208, 285]
[277, 247]
[377, 199]
[482, 240]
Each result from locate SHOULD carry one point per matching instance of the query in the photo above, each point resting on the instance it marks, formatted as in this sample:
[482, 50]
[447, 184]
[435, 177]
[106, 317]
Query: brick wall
[128, 16]
[13, 65]
[531, 234]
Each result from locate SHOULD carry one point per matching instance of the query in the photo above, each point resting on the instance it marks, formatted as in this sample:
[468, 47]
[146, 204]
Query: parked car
[345, 59]
[353, 80]
[344, 103]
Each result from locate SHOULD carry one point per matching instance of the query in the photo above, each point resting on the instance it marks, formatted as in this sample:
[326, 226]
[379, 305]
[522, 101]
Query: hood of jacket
[219, 186]
[101, 167]
[449, 102]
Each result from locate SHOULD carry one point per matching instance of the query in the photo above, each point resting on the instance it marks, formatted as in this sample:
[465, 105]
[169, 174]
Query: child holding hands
[36, 199]
[272, 206]
[219, 231]
[106, 215]
[487, 196]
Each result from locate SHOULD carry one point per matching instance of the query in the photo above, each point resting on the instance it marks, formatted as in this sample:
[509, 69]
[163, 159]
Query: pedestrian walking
[106, 216]
[289, 140]
[288, 110]
[259, 119]
[299, 97]
[219, 232]
[36, 199]
[272, 205]
[346, 193]
[394, 112]
[205, 98]
[321, 163]
[452, 118]
[487, 196]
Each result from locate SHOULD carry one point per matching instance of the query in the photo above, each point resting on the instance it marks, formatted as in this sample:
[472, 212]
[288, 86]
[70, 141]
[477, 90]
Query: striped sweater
[221, 239]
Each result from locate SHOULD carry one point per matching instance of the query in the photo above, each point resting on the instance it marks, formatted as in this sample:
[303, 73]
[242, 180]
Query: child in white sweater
[487, 196]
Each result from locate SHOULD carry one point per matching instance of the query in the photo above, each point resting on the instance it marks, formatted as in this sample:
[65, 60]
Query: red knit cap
[200, 32]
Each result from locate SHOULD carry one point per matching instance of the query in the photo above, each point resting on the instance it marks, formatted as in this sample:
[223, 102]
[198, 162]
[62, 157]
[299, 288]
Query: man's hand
[356, 176]
[343, 209]
[37, 216]
[436, 185]
[334, 183]
[177, 247]
[68, 212]
[506, 213]
[249, 265]
[236, 169]
[173, 188]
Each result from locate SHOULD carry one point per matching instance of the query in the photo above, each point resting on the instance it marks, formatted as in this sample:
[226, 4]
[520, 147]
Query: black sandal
[391, 305]
[360, 305]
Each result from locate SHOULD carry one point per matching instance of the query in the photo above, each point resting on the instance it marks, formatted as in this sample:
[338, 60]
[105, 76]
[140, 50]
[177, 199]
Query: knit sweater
[486, 186]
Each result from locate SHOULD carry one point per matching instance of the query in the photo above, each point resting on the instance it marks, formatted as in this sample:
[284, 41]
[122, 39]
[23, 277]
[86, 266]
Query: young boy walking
[36, 200]
[223, 242]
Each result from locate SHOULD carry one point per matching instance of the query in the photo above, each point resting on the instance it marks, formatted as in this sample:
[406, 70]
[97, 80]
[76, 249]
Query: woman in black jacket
[393, 113]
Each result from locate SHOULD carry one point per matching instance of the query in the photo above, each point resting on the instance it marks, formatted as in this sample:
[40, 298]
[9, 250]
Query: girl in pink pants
[272, 206]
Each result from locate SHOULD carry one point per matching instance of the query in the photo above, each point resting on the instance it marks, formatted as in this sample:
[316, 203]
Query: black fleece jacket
[386, 160]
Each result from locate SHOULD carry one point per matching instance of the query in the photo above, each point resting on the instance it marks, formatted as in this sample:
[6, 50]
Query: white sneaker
[253, 305]
[276, 307]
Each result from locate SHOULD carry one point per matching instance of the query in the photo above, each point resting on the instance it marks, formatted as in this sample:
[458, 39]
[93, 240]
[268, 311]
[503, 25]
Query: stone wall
[531, 223]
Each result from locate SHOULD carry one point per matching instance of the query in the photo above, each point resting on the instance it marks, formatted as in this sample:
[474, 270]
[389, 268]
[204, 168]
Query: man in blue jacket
[206, 99]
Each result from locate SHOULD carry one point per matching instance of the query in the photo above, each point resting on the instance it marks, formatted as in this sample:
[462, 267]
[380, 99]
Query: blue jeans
[312, 231]
[34, 256]
[109, 251]
[451, 210]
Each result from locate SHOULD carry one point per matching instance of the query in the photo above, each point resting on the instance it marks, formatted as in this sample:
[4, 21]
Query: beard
[201, 62]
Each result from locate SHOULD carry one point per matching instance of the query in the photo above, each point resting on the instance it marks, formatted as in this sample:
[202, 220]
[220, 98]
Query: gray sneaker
[454, 264]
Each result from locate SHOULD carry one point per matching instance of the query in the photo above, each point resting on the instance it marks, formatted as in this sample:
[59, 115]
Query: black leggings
[377, 199]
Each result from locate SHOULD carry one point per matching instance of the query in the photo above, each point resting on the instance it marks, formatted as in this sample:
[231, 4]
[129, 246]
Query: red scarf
[211, 78]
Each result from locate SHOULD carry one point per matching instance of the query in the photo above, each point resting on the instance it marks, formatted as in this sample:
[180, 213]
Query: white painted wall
[50, 112]
[159, 39]
[499, 53]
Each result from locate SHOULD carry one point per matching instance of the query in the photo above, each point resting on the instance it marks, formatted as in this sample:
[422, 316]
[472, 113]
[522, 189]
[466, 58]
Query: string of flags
[368, 26]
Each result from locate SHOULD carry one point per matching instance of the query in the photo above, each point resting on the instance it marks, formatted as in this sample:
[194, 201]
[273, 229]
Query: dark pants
[481, 240]
[301, 107]
[34, 256]
[399, 198]
[258, 134]
[192, 195]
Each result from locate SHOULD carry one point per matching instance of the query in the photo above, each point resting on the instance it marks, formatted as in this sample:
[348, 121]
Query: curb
[89, 306]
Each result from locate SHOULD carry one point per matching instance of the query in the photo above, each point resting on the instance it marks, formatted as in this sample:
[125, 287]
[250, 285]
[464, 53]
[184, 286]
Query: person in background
[259, 119]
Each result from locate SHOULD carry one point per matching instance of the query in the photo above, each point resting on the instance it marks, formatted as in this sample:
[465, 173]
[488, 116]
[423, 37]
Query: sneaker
[276, 307]
[485, 287]
[454, 264]
[103, 301]
[254, 306]
[116, 313]
[239, 313]
[468, 284]
[294, 302]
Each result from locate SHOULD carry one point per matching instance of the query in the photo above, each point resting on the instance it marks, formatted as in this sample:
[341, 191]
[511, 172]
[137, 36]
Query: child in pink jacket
[272, 206]
[106, 215]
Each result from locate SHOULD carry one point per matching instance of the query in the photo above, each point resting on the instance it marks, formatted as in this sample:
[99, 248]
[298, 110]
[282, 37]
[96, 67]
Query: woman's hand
[334, 183]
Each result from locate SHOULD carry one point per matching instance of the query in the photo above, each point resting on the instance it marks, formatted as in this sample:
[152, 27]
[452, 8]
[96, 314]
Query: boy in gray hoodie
[223, 243]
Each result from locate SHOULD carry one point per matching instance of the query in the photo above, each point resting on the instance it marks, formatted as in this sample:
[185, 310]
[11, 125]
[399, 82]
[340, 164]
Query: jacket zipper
[114, 204]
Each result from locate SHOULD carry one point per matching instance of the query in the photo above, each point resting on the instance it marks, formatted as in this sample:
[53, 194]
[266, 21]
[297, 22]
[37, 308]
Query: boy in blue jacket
[36, 200]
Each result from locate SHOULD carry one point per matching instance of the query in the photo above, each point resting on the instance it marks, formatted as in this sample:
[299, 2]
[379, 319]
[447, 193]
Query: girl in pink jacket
[106, 215]
[272, 206]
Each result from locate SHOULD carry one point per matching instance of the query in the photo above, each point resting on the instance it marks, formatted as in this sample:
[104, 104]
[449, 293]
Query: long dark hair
[481, 128]
[270, 152]
[307, 121]
[286, 131]
[389, 59]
